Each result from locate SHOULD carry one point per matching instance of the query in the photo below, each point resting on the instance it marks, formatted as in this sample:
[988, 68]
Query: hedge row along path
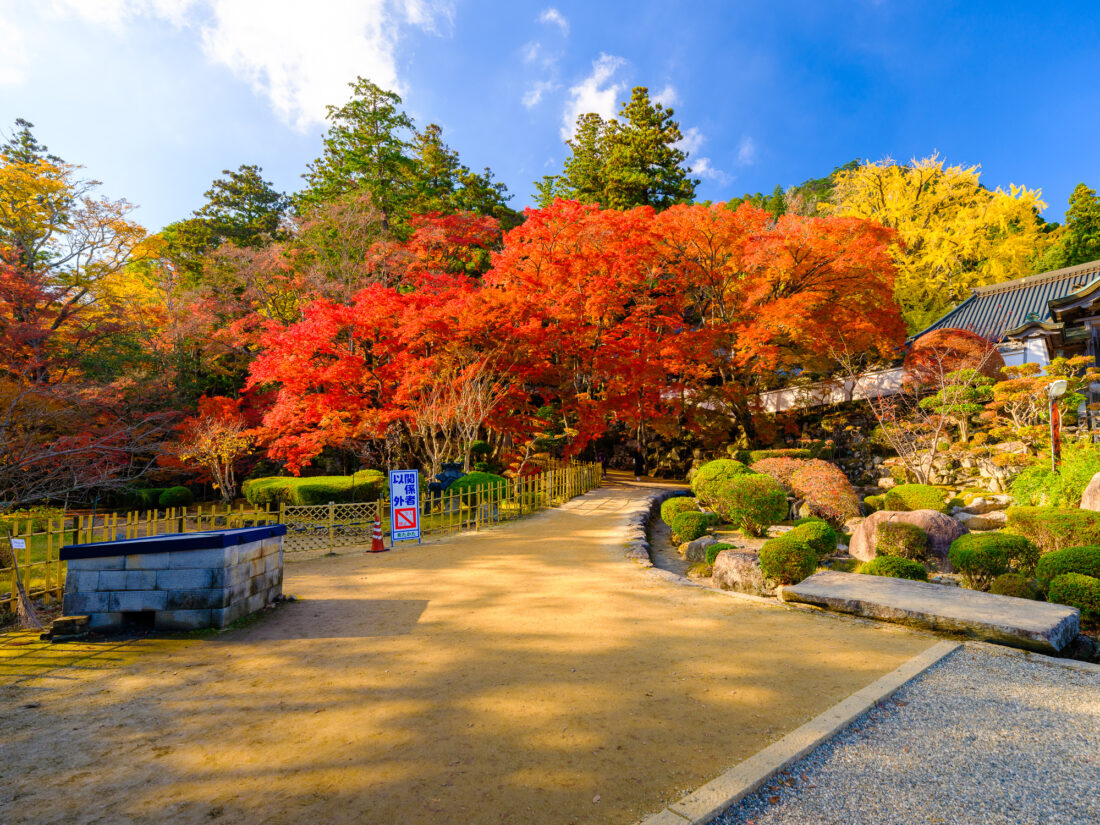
[526, 675]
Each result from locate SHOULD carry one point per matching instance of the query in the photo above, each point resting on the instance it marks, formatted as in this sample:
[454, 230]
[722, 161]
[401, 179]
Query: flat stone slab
[1039, 626]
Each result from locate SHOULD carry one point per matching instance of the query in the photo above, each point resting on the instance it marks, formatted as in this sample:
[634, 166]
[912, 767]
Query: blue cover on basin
[172, 542]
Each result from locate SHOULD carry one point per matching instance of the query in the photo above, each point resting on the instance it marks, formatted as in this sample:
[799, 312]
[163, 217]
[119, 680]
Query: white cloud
[531, 51]
[533, 96]
[301, 56]
[704, 168]
[691, 140]
[746, 151]
[667, 96]
[597, 93]
[552, 15]
[14, 58]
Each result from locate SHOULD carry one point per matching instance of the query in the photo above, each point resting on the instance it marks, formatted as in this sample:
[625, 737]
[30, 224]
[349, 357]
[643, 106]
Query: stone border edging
[637, 524]
[708, 801]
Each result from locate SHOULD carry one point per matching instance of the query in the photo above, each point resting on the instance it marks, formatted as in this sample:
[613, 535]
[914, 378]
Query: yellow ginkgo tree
[954, 233]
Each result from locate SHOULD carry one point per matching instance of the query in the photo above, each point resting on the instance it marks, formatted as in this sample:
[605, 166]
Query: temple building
[1037, 318]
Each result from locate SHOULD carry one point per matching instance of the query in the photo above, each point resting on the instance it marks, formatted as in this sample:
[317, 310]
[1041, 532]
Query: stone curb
[705, 803]
[637, 524]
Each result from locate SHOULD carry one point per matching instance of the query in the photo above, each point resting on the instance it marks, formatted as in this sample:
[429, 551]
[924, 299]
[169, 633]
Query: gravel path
[984, 737]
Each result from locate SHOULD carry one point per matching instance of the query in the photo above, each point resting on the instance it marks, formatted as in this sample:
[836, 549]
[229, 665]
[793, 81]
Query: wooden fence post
[331, 525]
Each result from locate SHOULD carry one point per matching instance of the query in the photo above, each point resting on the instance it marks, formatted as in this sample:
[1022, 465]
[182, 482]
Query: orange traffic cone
[376, 543]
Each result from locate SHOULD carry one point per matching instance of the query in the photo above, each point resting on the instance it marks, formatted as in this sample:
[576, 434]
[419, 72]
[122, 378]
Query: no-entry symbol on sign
[404, 505]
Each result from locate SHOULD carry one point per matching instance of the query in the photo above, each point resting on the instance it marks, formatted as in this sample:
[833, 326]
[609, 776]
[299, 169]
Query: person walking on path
[639, 464]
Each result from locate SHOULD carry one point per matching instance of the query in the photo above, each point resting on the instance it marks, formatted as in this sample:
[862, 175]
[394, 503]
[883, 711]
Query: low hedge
[674, 506]
[715, 549]
[905, 541]
[751, 502]
[713, 476]
[875, 503]
[1077, 590]
[1053, 528]
[982, 557]
[761, 455]
[475, 480]
[1013, 584]
[276, 490]
[175, 497]
[690, 526]
[1083, 560]
[895, 567]
[816, 533]
[915, 497]
[787, 560]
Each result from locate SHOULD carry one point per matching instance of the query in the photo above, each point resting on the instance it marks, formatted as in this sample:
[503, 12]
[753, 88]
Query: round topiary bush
[914, 497]
[175, 497]
[982, 557]
[1013, 584]
[906, 541]
[712, 476]
[895, 567]
[751, 502]
[816, 533]
[874, 503]
[690, 526]
[674, 506]
[473, 485]
[787, 560]
[1083, 560]
[715, 549]
[1077, 590]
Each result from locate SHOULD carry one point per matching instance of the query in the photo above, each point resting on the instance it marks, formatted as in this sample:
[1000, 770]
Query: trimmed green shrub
[787, 560]
[874, 503]
[674, 506]
[480, 448]
[471, 481]
[816, 533]
[1013, 584]
[760, 455]
[276, 490]
[751, 502]
[982, 557]
[690, 526]
[906, 541]
[914, 497]
[798, 522]
[1083, 560]
[1052, 528]
[1077, 590]
[1039, 485]
[715, 549]
[175, 497]
[148, 498]
[895, 567]
[712, 477]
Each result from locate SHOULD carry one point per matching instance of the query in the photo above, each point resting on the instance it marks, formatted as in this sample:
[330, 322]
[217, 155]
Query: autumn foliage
[654, 321]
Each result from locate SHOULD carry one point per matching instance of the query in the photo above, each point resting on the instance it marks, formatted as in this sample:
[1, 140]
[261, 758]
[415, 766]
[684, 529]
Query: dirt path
[525, 675]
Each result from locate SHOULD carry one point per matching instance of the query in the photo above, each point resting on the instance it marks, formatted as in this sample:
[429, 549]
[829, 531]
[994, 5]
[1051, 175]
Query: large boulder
[940, 527]
[993, 520]
[740, 570]
[1091, 499]
[697, 550]
[989, 504]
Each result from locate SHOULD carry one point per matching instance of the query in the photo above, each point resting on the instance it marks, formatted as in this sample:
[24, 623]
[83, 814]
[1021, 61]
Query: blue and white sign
[404, 505]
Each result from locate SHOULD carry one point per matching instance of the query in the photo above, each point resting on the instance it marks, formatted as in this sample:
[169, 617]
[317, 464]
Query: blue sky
[156, 97]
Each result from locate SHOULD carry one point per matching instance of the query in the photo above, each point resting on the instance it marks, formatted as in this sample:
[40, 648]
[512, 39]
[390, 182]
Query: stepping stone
[1039, 626]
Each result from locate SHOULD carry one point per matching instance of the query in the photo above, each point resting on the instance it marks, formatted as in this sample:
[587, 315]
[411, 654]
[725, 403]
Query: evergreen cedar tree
[645, 318]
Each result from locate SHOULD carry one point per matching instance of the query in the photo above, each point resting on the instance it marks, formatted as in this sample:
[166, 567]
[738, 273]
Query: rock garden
[757, 527]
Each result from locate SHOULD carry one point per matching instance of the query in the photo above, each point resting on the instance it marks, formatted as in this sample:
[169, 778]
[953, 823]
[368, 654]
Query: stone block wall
[184, 584]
